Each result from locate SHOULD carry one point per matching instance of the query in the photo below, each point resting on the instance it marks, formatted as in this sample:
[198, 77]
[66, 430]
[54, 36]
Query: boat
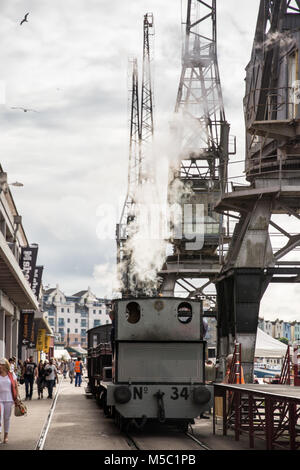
[266, 370]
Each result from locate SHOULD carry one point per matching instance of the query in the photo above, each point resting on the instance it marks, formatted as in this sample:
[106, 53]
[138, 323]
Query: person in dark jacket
[40, 381]
[29, 373]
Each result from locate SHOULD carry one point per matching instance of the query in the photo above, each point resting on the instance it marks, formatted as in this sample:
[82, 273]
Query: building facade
[71, 316]
[297, 331]
[16, 294]
[281, 329]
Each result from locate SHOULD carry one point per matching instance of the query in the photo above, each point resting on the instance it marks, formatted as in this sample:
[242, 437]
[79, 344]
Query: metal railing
[265, 104]
[272, 164]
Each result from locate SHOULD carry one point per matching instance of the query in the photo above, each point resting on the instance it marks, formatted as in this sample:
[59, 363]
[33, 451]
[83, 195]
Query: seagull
[25, 109]
[25, 19]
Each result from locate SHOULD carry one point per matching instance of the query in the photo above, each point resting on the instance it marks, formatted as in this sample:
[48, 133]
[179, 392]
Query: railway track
[41, 441]
[169, 441]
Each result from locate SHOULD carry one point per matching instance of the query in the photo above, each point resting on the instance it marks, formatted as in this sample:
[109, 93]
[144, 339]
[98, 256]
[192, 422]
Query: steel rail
[41, 441]
[191, 436]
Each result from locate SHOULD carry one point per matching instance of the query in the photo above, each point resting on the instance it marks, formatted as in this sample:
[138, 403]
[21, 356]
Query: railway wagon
[158, 368]
[99, 358]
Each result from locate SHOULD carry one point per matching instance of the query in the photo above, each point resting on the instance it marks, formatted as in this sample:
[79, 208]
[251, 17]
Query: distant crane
[141, 135]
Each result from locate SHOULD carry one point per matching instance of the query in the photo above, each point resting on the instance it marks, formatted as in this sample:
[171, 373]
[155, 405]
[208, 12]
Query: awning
[266, 346]
[12, 280]
[42, 323]
[61, 354]
[77, 350]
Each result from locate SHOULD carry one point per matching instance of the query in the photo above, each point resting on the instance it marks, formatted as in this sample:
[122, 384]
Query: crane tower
[199, 173]
[140, 139]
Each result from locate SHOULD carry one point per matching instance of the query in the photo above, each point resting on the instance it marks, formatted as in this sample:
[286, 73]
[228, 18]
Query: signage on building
[28, 262]
[40, 342]
[47, 344]
[33, 336]
[37, 279]
[26, 327]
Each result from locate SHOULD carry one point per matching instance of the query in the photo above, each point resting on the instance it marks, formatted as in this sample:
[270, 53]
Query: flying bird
[24, 19]
[25, 109]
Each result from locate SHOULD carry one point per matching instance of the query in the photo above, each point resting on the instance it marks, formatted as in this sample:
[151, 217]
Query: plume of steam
[150, 231]
[105, 275]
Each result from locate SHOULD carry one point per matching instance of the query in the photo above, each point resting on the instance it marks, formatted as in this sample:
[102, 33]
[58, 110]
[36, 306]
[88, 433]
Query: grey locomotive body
[158, 366]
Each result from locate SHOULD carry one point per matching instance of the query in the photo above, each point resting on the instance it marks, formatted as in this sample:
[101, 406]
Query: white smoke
[150, 231]
[106, 277]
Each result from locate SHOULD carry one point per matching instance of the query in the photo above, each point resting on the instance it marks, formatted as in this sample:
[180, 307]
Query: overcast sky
[69, 63]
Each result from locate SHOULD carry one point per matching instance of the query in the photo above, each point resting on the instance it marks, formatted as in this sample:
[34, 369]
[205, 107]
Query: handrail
[274, 100]
[285, 376]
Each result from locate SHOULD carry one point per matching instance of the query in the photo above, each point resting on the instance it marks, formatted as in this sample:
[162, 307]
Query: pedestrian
[78, 371]
[64, 369]
[50, 377]
[229, 364]
[18, 371]
[275, 380]
[40, 381]
[12, 363]
[71, 367]
[8, 395]
[29, 373]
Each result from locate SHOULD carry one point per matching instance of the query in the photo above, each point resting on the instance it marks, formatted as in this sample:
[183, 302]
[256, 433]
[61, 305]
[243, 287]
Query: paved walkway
[77, 423]
[25, 430]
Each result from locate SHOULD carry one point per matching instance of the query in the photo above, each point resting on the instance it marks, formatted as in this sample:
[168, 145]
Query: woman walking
[8, 395]
[40, 381]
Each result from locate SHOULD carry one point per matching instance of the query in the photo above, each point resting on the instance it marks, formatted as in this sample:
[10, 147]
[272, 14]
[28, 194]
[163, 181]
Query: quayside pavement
[77, 423]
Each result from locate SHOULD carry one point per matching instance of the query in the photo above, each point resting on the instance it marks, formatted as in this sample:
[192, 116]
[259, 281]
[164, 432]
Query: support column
[168, 285]
[239, 295]
[15, 337]
[8, 336]
[2, 333]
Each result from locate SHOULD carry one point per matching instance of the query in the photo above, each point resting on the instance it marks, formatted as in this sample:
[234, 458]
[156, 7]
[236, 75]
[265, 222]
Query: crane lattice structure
[140, 138]
[272, 117]
[202, 135]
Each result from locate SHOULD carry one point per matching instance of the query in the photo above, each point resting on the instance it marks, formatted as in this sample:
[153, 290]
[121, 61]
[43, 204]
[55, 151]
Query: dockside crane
[201, 164]
[272, 168]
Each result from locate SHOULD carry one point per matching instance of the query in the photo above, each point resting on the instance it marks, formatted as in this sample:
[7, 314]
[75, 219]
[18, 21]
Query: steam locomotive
[150, 363]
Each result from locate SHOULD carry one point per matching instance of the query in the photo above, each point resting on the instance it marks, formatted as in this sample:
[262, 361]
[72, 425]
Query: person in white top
[7, 397]
[12, 364]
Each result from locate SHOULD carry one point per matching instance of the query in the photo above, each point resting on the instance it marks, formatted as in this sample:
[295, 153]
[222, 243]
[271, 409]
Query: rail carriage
[158, 368]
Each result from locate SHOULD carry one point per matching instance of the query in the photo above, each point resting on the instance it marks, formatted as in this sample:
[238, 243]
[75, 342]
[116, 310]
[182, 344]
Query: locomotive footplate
[172, 401]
